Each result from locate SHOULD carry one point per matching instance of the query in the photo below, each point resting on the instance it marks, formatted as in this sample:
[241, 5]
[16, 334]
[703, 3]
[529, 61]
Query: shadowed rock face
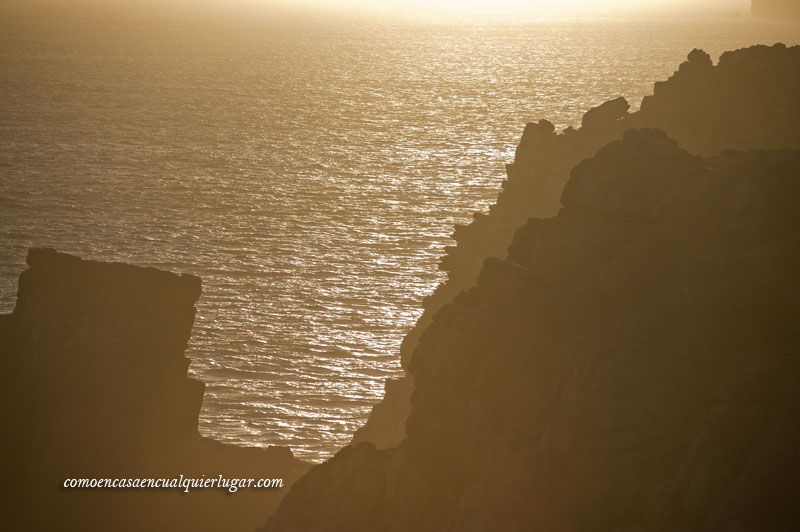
[631, 365]
[749, 100]
[97, 387]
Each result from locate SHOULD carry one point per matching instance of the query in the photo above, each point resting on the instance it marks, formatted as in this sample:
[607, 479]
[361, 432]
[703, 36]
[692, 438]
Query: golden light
[531, 7]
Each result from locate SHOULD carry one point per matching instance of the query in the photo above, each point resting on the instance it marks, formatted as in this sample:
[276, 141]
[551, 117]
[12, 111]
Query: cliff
[631, 364]
[776, 8]
[97, 387]
[749, 100]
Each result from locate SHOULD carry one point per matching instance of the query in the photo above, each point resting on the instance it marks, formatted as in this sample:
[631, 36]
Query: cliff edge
[631, 364]
[97, 387]
[749, 100]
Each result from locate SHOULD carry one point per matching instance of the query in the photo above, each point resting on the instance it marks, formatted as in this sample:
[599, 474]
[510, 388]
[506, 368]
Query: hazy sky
[514, 10]
[533, 6]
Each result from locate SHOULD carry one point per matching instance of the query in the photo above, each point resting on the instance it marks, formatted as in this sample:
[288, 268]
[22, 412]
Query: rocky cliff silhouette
[631, 364]
[749, 100]
[96, 386]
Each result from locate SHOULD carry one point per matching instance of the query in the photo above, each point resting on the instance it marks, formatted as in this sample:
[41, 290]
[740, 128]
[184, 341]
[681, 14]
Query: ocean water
[309, 169]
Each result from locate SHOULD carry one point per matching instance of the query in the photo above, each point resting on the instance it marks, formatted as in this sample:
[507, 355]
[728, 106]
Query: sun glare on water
[529, 7]
[487, 6]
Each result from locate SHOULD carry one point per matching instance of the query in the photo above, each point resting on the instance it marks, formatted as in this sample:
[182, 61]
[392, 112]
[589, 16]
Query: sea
[308, 166]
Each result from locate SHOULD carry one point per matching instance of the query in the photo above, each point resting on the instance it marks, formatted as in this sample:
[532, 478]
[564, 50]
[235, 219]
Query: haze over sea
[309, 169]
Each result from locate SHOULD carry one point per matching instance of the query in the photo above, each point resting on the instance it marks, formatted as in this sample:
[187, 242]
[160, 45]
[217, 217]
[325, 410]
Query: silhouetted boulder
[749, 100]
[606, 114]
[631, 365]
[97, 387]
[699, 59]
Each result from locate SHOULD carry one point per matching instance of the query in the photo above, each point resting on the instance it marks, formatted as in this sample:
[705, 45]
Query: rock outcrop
[97, 387]
[749, 100]
[632, 364]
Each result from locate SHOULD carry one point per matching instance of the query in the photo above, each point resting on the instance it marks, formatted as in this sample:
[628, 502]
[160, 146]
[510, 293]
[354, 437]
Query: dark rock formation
[606, 114]
[631, 365]
[96, 386]
[776, 8]
[749, 100]
[386, 424]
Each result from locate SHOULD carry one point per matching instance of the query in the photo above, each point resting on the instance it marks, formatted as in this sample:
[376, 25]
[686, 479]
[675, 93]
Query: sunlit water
[309, 171]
